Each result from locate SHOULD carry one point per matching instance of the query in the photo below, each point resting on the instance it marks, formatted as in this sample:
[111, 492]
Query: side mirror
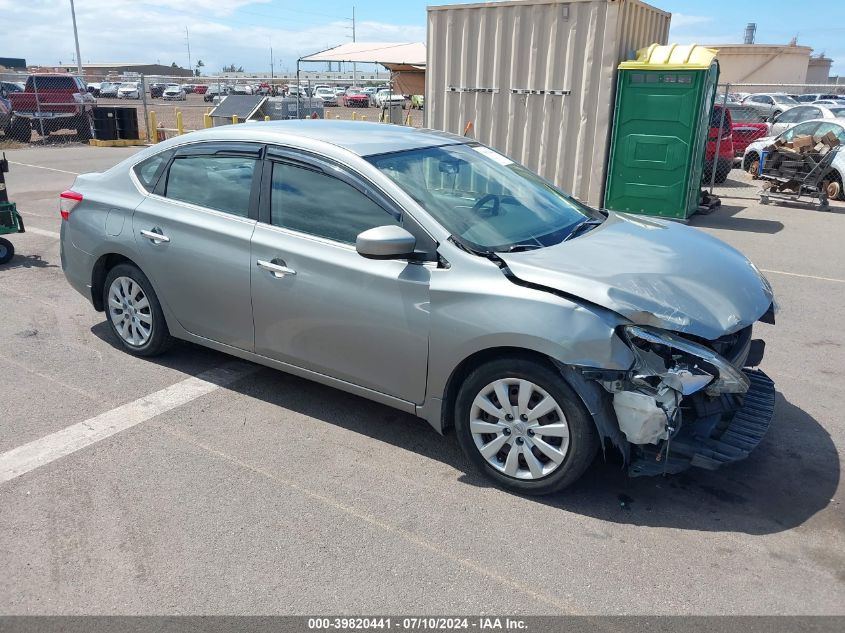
[385, 242]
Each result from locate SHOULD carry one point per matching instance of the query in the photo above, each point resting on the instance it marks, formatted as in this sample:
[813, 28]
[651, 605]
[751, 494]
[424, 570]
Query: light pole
[76, 39]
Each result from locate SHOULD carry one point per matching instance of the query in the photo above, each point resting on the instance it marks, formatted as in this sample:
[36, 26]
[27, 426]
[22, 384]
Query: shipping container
[537, 79]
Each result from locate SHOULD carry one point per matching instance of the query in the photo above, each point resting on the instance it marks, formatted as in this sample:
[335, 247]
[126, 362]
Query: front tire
[520, 423]
[134, 312]
[7, 251]
[21, 130]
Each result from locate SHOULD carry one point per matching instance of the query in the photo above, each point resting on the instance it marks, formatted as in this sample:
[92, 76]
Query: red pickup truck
[50, 103]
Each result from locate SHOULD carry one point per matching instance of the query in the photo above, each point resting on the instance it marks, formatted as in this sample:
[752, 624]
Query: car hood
[653, 272]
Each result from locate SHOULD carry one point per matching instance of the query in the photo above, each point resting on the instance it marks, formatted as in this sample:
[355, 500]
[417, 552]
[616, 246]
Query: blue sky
[241, 31]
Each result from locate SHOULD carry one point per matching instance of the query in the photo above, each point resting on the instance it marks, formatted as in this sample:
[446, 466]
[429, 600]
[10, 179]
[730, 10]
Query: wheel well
[474, 361]
[99, 274]
[750, 156]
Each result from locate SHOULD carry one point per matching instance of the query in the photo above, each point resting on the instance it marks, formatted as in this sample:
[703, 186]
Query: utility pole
[271, 61]
[76, 39]
[354, 65]
[188, 42]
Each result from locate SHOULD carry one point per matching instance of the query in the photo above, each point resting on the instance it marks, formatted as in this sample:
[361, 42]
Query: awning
[402, 53]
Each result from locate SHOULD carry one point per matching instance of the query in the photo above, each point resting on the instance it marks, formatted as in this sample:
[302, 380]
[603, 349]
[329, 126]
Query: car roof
[359, 137]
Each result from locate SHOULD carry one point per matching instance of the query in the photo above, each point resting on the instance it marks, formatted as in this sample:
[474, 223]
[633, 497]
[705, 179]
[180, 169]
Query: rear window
[52, 83]
[746, 115]
[716, 118]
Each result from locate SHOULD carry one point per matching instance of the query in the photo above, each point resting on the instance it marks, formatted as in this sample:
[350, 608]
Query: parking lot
[256, 492]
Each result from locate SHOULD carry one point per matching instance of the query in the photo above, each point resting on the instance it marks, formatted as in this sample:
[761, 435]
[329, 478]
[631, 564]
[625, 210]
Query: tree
[231, 68]
[200, 64]
[173, 65]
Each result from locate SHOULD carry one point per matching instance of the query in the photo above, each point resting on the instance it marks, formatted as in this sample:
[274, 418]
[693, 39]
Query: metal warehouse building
[537, 79]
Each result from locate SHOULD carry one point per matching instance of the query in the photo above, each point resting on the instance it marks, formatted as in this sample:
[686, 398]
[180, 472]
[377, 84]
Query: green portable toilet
[662, 118]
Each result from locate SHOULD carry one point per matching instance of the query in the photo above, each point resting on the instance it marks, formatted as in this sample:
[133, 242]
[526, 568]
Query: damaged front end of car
[684, 402]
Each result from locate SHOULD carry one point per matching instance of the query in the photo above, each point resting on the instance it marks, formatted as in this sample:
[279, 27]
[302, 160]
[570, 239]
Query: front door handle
[156, 236]
[277, 267]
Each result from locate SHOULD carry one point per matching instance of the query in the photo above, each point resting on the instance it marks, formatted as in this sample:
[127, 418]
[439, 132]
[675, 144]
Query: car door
[317, 303]
[193, 236]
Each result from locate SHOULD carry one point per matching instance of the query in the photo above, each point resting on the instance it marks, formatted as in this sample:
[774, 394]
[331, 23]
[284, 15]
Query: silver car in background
[432, 274]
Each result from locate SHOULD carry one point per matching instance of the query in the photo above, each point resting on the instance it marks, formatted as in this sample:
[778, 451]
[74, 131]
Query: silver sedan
[435, 275]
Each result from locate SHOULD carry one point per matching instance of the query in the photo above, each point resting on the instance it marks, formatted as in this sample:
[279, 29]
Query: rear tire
[21, 130]
[7, 251]
[134, 313]
[539, 462]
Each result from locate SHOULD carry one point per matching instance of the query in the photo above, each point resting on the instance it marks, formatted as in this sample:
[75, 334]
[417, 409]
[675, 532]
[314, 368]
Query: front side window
[311, 202]
[222, 183]
[484, 199]
[790, 116]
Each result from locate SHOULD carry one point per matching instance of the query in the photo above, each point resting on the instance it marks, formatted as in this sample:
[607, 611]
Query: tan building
[763, 63]
[818, 70]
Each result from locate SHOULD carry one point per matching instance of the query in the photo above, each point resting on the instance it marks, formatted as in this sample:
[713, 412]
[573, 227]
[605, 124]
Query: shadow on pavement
[791, 476]
[725, 217]
[27, 261]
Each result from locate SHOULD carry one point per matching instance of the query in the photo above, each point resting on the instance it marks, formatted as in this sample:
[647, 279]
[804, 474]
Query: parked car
[5, 116]
[830, 102]
[157, 90]
[242, 89]
[62, 103]
[816, 127]
[326, 95]
[814, 96]
[200, 89]
[8, 87]
[339, 92]
[173, 92]
[432, 274]
[129, 90]
[771, 104]
[385, 97]
[355, 98]
[747, 125]
[417, 102]
[93, 88]
[215, 90]
[802, 113]
[109, 89]
[721, 135]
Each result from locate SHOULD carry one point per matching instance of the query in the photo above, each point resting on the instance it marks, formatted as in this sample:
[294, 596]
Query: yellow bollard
[408, 119]
[180, 129]
[363, 117]
[206, 120]
[235, 118]
[354, 116]
[152, 130]
[266, 117]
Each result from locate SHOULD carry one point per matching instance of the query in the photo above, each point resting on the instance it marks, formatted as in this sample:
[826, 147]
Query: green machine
[10, 220]
[663, 103]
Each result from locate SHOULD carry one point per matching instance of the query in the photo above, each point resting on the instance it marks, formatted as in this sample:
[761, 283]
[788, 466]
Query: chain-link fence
[752, 125]
[62, 108]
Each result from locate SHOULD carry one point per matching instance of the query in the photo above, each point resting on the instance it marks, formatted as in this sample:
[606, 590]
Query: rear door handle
[156, 236]
[277, 267]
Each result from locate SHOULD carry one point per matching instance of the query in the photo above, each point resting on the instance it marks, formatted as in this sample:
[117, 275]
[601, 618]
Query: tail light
[67, 203]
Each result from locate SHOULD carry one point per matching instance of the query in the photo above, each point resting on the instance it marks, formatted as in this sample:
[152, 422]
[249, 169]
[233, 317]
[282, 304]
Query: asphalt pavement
[263, 493]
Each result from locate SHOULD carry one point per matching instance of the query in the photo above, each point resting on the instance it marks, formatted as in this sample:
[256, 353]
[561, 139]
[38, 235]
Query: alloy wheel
[129, 311]
[519, 428]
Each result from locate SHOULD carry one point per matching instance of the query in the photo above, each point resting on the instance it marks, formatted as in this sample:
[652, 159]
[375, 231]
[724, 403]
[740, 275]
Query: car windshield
[745, 115]
[783, 99]
[485, 200]
[838, 112]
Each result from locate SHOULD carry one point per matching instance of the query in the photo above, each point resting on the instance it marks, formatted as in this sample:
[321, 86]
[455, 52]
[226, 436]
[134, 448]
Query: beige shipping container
[537, 79]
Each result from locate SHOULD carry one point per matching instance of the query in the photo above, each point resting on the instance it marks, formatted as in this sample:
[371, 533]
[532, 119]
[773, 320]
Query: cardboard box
[830, 139]
[803, 141]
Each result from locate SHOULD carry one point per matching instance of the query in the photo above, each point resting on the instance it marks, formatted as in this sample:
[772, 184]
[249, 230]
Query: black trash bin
[127, 123]
[105, 124]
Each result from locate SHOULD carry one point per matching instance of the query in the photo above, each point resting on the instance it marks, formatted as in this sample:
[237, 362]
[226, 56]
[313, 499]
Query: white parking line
[61, 171]
[49, 448]
[37, 231]
[782, 272]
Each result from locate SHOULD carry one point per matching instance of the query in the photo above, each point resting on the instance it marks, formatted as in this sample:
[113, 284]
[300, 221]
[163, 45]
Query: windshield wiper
[517, 248]
[580, 228]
